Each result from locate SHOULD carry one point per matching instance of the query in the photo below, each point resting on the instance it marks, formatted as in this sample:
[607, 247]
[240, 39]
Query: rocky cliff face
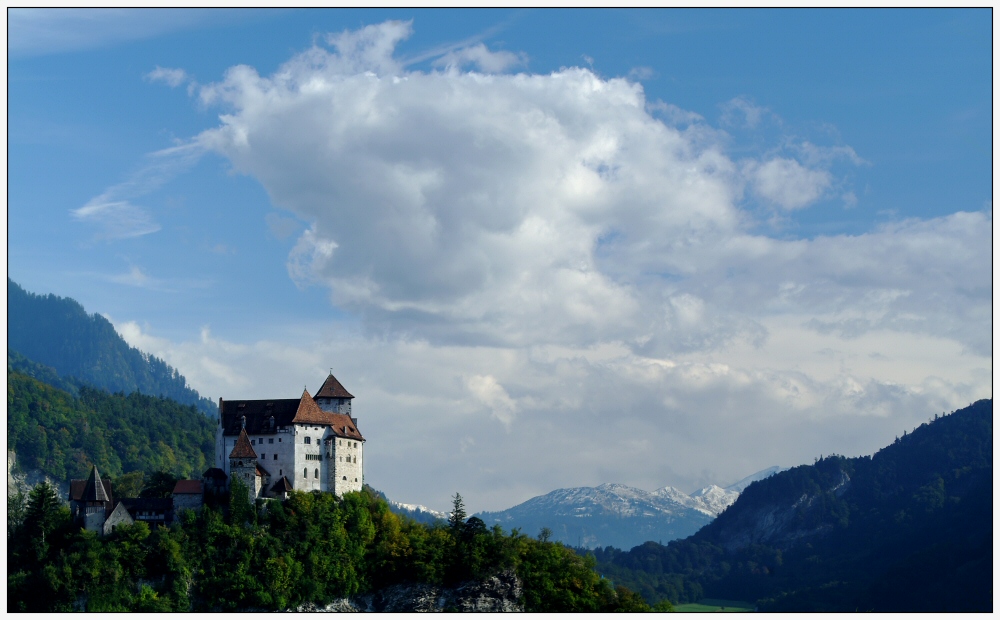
[27, 480]
[781, 524]
[499, 593]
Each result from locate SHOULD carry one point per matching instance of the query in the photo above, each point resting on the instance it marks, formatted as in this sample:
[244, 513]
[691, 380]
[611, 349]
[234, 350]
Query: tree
[43, 516]
[129, 485]
[17, 504]
[241, 510]
[457, 518]
[160, 484]
[544, 534]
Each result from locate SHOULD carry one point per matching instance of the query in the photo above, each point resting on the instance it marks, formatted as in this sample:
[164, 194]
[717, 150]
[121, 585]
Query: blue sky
[770, 225]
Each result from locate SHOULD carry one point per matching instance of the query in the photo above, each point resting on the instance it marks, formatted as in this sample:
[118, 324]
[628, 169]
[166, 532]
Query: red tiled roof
[343, 426]
[309, 412]
[332, 388]
[243, 449]
[188, 486]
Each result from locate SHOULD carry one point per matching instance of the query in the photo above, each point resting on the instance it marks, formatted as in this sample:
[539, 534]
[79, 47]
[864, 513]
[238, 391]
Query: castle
[309, 443]
[272, 446]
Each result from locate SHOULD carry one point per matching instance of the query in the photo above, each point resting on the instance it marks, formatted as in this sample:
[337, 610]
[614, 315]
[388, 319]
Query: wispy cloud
[641, 73]
[33, 31]
[116, 219]
[481, 57]
[135, 277]
[113, 211]
[743, 112]
[171, 77]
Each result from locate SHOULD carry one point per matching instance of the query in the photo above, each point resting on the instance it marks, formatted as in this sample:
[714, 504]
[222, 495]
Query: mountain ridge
[619, 515]
[908, 528]
[58, 333]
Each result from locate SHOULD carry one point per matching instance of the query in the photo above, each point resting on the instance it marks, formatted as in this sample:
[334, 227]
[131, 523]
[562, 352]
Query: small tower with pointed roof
[243, 464]
[332, 397]
[92, 506]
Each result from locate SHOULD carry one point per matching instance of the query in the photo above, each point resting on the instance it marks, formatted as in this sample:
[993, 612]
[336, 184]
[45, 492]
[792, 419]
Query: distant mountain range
[618, 515]
[54, 340]
[909, 528]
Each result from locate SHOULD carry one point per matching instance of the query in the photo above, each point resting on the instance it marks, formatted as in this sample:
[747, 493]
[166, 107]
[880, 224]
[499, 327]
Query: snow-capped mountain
[417, 512]
[620, 515]
[715, 499]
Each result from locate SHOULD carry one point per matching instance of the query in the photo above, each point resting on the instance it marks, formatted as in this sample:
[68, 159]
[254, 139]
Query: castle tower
[243, 463]
[92, 507]
[333, 398]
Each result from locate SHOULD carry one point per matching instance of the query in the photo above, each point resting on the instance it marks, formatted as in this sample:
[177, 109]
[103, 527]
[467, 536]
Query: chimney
[355, 421]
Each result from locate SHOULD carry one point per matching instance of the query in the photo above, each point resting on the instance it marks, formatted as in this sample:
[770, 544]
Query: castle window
[345, 477]
[307, 440]
[316, 473]
[253, 442]
[275, 457]
[279, 473]
[263, 456]
[305, 473]
[271, 440]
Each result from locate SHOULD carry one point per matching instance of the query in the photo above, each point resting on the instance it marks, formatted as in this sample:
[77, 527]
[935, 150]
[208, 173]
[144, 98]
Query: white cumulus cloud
[787, 183]
[559, 252]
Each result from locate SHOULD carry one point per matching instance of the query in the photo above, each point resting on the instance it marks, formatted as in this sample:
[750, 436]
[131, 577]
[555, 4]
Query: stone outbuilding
[92, 505]
[188, 495]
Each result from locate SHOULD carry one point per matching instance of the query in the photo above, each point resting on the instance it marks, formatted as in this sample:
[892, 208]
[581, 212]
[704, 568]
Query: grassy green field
[714, 604]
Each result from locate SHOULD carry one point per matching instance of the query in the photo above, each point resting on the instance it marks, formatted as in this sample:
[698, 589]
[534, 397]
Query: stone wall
[347, 465]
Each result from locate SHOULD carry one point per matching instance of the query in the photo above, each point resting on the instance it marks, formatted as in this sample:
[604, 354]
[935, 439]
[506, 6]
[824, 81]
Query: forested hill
[58, 332]
[61, 435]
[907, 529]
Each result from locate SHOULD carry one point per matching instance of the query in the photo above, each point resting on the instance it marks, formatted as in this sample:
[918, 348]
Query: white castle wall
[347, 465]
[309, 462]
[339, 461]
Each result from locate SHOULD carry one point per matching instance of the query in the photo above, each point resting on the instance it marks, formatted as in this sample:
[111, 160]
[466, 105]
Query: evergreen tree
[457, 518]
[17, 504]
[44, 515]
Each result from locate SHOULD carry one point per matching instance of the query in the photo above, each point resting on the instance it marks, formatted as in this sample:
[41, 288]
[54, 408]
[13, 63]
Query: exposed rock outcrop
[781, 525]
[498, 593]
[27, 480]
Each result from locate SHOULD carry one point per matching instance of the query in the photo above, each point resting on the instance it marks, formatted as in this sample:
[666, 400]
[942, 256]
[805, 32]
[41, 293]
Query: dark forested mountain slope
[62, 435]
[907, 529]
[57, 332]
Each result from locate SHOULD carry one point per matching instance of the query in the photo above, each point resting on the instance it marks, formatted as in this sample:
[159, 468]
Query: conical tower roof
[332, 389]
[94, 491]
[243, 449]
[309, 412]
